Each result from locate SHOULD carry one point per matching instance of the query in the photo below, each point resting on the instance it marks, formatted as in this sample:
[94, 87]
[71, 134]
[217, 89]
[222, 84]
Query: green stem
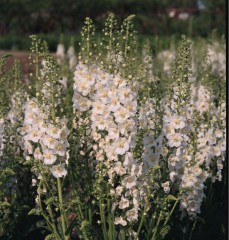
[155, 230]
[110, 45]
[179, 98]
[53, 221]
[171, 212]
[103, 220]
[126, 41]
[123, 234]
[62, 213]
[53, 102]
[209, 110]
[37, 69]
[88, 41]
[111, 222]
[90, 215]
[141, 222]
[50, 224]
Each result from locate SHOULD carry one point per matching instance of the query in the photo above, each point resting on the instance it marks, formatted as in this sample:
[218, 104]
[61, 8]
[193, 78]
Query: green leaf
[33, 211]
[172, 198]
[164, 231]
[50, 237]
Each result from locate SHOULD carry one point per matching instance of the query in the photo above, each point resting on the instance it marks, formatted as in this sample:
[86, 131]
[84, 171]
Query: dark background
[50, 18]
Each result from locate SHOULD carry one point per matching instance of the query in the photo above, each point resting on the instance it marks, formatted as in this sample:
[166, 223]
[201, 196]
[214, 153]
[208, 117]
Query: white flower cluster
[173, 145]
[17, 101]
[60, 53]
[43, 140]
[152, 146]
[84, 80]
[211, 148]
[217, 59]
[71, 57]
[113, 106]
[193, 151]
[147, 115]
[211, 138]
[201, 98]
[1, 136]
[167, 58]
[193, 180]
[148, 64]
[176, 128]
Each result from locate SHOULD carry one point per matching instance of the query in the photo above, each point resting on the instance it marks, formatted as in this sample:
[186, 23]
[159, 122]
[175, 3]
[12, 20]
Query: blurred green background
[50, 18]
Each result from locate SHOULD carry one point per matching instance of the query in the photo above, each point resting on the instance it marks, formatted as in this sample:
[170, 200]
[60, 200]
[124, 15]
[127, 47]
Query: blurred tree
[55, 16]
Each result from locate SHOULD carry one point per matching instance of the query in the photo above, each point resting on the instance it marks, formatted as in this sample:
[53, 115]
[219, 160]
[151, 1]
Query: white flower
[189, 180]
[34, 135]
[37, 121]
[61, 148]
[42, 126]
[28, 146]
[25, 129]
[128, 159]
[81, 103]
[49, 157]
[119, 169]
[202, 142]
[120, 221]
[124, 203]
[177, 122]
[34, 182]
[104, 78]
[216, 151]
[53, 131]
[114, 104]
[172, 176]
[126, 127]
[129, 182]
[49, 141]
[58, 171]
[110, 152]
[169, 129]
[121, 115]
[131, 106]
[163, 151]
[173, 160]
[60, 51]
[175, 139]
[121, 146]
[166, 187]
[113, 132]
[118, 81]
[132, 215]
[101, 122]
[125, 95]
[119, 190]
[218, 133]
[83, 88]
[37, 154]
[197, 171]
[64, 132]
[29, 117]
[63, 81]
[103, 96]
[222, 144]
[99, 107]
